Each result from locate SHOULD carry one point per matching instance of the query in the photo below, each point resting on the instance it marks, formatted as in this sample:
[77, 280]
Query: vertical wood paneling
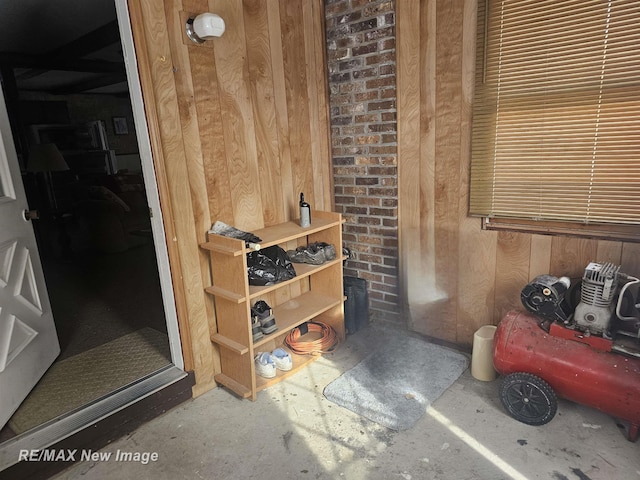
[631, 259]
[200, 74]
[238, 120]
[409, 173]
[448, 99]
[512, 270]
[188, 115]
[540, 257]
[466, 274]
[608, 251]
[295, 73]
[425, 297]
[160, 69]
[261, 78]
[570, 255]
[434, 296]
[314, 106]
[189, 122]
[477, 249]
[211, 133]
[239, 127]
[322, 138]
[282, 118]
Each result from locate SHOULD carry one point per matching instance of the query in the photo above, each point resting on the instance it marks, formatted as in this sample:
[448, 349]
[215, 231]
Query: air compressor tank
[604, 380]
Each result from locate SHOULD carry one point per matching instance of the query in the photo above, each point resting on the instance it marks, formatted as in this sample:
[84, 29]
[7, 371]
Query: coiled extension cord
[326, 343]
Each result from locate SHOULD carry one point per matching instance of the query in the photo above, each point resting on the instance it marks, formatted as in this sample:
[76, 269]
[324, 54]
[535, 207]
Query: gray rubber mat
[394, 385]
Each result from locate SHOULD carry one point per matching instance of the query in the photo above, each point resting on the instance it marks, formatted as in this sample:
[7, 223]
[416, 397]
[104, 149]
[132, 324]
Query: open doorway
[73, 126]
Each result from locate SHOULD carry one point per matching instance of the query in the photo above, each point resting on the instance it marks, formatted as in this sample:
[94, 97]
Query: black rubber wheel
[528, 398]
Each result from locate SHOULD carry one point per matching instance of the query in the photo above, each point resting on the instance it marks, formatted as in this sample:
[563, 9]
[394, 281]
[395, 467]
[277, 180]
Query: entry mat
[394, 385]
[88, 376]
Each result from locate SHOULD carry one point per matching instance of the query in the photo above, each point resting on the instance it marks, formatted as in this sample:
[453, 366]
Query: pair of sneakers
[267, 363]
[262, 320]
[315, 253]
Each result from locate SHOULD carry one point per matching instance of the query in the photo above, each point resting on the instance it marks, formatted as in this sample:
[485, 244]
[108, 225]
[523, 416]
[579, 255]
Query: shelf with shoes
[299, 363]
[315, 293]
[255, 291]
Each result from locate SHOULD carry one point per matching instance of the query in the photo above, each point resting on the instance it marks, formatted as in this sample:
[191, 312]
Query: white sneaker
[265, 365]
[282, 359]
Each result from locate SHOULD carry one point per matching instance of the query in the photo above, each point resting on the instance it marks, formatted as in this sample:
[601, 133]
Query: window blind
[556, 119]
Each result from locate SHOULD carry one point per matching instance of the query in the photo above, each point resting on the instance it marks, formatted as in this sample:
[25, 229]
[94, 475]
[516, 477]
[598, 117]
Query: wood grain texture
[225, 118]
[282, 117]
[448, 98]
[166, 103]
[295, 74]
[201, 74]
[310, 45]
[608, 251]
[477, 249]
[630, 259]
[237, 111]
[411, 282]
[569, 255]
[262, 92]
[434, 296]
[321, 86]
[182, 64]
[512, 271]
[540, 256]
[477, 275]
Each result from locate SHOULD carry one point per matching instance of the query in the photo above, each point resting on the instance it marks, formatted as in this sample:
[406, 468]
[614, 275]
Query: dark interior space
[72, 123]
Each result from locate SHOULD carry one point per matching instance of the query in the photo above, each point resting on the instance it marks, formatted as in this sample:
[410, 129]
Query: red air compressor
[588, 353]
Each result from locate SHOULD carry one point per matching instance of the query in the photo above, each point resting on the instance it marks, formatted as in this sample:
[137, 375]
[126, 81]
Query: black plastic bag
[268, 266]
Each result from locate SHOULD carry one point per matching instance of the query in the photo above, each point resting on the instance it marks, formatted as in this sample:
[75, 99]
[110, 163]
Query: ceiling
[62, 46]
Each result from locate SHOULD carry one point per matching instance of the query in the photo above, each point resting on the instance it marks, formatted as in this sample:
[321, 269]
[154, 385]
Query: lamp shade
[46, 157]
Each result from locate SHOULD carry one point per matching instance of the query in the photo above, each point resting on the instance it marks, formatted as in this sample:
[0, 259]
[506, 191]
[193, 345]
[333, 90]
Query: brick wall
[361, 60]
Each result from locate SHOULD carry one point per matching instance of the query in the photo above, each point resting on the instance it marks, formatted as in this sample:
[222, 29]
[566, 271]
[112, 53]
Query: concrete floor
[293, 432]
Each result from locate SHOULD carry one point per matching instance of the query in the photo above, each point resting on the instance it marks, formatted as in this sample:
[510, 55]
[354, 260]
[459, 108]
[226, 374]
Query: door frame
[150, 181]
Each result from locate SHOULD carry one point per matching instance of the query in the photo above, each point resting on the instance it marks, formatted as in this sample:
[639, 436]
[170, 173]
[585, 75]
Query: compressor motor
[545, 297]
[603, 305]
[598, 291]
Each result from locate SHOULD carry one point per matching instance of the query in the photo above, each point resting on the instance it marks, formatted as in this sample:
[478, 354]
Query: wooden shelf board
[232, 385]
[302, 270]
[275, 234]
[221, 292]
[223, 249]
[230, 344]
[287, 231]
[299, 362]
[297, 311]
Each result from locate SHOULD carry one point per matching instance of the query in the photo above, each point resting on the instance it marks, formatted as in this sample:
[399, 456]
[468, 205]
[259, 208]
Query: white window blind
[556, 120]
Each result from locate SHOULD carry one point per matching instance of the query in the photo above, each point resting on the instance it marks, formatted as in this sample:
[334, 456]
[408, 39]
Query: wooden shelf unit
[315, 293]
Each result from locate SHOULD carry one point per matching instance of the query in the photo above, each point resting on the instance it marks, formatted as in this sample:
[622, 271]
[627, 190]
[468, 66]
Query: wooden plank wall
[456, 277]
[239, 127]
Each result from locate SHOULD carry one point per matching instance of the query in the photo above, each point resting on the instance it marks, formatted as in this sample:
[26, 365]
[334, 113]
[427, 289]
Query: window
[556, 125]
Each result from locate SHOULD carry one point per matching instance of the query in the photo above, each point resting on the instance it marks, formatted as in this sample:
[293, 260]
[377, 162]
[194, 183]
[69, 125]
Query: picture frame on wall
[120, 126]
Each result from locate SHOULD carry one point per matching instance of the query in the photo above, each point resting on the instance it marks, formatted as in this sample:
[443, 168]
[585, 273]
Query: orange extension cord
[326, 343]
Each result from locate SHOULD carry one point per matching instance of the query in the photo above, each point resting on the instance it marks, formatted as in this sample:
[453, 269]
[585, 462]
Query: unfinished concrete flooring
[293, 432]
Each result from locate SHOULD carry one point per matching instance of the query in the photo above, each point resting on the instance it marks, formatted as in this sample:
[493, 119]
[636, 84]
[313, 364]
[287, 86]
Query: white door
[28, 339]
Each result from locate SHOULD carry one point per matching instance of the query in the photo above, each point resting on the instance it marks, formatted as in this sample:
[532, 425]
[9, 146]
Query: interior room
[473, 166]
[82, 173]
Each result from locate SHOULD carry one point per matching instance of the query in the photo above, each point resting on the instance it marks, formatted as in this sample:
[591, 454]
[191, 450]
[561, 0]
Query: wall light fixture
[204, 26]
